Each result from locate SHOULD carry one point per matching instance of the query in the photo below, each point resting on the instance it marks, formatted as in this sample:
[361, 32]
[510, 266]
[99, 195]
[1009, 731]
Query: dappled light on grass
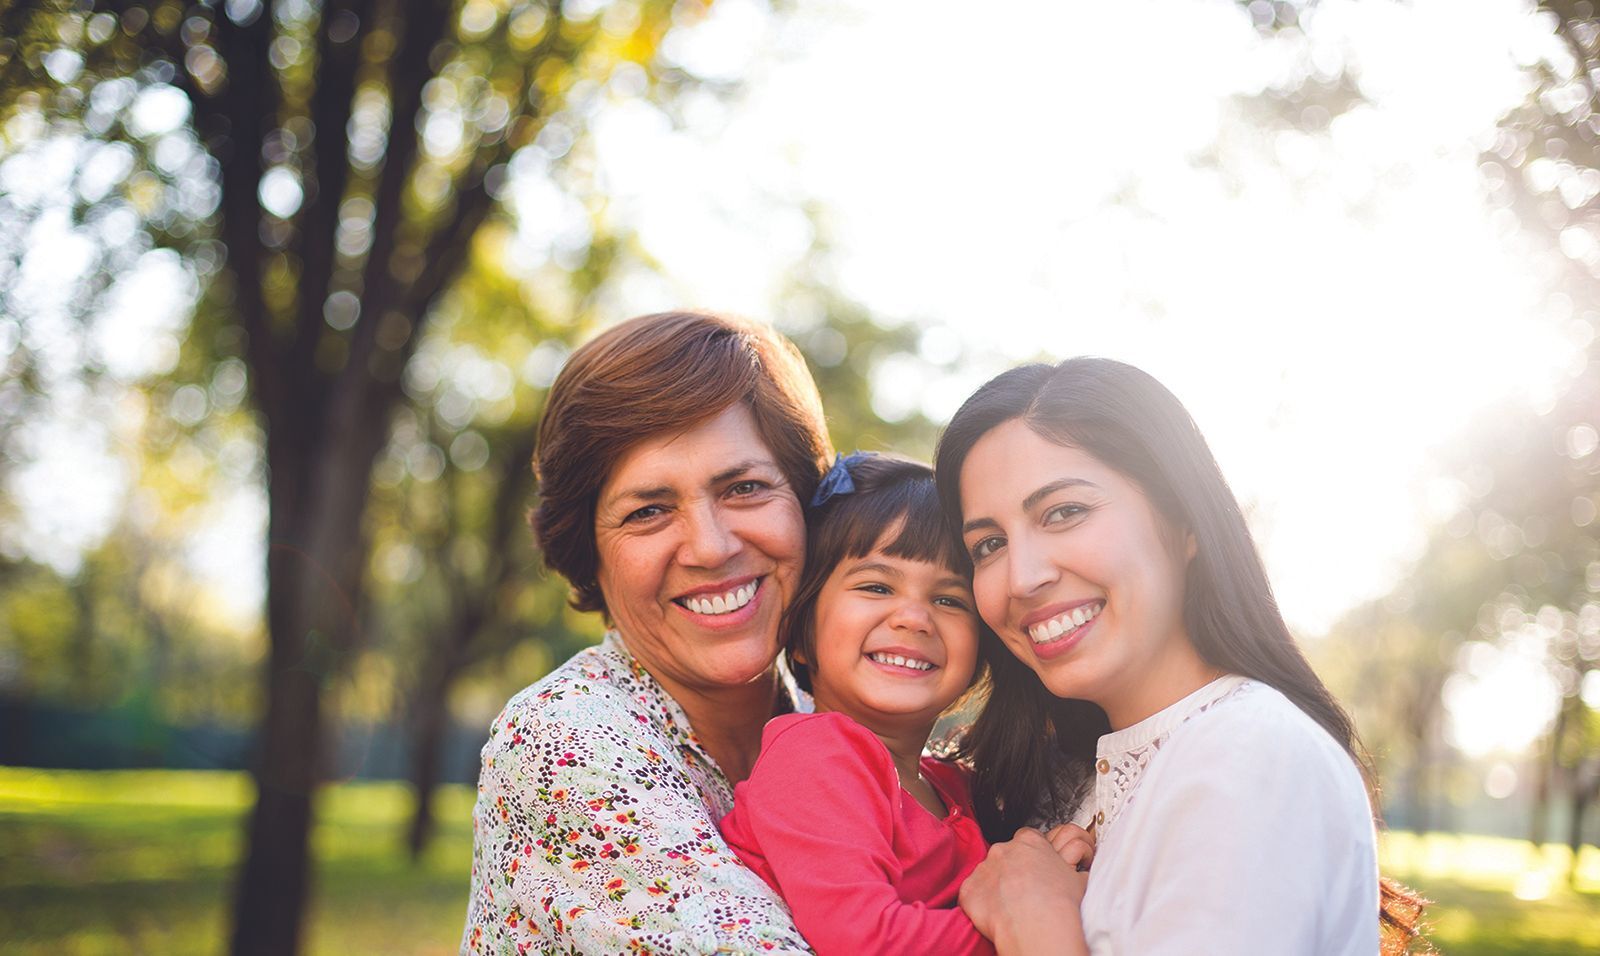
[143, 861]
[1494, 895]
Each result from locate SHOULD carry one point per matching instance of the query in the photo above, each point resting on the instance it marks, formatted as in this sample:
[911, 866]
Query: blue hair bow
[837, 481]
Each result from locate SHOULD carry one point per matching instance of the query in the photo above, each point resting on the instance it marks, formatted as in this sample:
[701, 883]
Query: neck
[1178, 674]
[728, 721]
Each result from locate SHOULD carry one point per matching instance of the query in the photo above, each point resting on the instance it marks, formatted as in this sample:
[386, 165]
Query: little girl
[866, 839]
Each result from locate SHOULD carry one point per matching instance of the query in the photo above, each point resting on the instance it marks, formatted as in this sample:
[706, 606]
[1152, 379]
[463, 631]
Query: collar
[1167, 719]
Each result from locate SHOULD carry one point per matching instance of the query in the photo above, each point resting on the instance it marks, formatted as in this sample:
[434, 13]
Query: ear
[1189, 546]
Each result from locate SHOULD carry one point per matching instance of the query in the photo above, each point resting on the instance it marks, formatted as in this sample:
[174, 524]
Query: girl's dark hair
[1130, 422]
[1127, 420]
[890, 492]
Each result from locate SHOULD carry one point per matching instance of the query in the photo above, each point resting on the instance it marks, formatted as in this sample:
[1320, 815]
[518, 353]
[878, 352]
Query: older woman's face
[701, 541]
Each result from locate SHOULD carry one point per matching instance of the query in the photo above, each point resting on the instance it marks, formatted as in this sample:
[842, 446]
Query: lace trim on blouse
[1122, 757]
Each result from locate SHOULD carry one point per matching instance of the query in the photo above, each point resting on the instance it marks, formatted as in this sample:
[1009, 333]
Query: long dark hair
[1130, 422]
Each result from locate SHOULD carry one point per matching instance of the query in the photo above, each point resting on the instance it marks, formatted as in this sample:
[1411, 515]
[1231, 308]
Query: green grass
[1493, 895]
[140, 862]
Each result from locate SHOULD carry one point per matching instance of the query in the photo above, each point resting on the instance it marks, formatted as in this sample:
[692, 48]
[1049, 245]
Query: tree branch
[338, 64]
[248, 102]
[409, 72]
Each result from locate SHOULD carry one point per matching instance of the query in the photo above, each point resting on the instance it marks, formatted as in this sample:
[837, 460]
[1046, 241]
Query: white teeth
[899, 661]
[723, 603]
[1065, 621]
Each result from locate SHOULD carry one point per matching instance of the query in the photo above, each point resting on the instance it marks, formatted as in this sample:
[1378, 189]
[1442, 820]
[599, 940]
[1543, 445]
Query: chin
[737, 665]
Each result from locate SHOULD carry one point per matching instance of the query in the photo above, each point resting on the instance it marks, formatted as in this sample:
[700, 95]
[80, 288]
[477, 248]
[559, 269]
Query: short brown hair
[662, 373]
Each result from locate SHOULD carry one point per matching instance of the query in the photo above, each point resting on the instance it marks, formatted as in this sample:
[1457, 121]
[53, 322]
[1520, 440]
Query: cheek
[989, 593]
[963, 644]
[780, 532]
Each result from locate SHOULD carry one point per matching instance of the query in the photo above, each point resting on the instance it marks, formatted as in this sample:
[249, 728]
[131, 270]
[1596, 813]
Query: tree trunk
[1580, 807]
[430, 716]
[1544, 790]
[316, 555]
[275, 879]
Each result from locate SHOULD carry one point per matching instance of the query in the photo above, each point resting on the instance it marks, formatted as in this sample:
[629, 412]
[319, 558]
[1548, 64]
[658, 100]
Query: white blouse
[1230, 822]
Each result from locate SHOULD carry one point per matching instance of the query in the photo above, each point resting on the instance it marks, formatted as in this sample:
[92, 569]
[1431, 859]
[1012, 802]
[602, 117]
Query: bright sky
[1079, 179]
[1065, 178]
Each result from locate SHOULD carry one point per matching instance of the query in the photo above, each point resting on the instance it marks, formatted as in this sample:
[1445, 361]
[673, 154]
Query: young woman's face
[1077, 573]
[896, 640]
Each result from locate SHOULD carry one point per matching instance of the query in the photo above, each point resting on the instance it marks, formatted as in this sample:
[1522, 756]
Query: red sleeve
[821, 802]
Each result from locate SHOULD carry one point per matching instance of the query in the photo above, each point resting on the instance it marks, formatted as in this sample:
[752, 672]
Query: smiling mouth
[711, 605]
[1065, 623]
[896, 660]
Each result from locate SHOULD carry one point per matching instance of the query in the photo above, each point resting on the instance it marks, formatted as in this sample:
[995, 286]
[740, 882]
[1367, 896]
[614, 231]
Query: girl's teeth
[899, 661]
[722, 604]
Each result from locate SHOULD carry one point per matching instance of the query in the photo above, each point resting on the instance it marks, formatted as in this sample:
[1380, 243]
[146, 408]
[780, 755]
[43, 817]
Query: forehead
[1011, 461]
[690, 457]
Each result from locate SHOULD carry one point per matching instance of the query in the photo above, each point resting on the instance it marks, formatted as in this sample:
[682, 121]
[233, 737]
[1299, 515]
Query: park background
[282, 285]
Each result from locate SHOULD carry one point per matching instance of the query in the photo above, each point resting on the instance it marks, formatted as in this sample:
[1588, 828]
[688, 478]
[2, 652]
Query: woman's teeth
[899, 661]
[723, 603]
[1047, 631]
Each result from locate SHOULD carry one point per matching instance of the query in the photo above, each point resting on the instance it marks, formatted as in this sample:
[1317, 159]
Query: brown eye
[644, 514]
[984, 547]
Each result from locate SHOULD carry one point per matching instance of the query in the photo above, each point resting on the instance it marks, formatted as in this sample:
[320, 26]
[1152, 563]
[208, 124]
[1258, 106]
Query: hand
[1025, 897]
[1074, 843]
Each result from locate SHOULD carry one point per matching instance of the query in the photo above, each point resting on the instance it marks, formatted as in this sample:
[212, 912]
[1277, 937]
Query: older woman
[673, 455]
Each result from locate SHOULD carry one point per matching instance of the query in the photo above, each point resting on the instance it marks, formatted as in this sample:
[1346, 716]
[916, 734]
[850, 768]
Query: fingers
[1074, 844]
[1029, 837]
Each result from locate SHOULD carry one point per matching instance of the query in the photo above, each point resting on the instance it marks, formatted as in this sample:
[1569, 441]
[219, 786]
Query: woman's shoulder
[1256, 730]
[595, 687]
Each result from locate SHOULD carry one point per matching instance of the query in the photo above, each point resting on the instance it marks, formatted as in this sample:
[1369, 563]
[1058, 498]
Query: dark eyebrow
[664, 492]
[728, 474]
[977, 523]
[877, 567]
[661, 493]
[955, 582]
[1046, 491]
[1030, 502]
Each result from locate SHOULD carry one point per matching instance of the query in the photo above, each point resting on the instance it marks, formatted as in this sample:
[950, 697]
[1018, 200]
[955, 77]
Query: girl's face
[1077, 573]
[896, 639]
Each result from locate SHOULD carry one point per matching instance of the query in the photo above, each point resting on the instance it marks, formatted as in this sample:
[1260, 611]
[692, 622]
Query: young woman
[866, 839]
[1145, 686]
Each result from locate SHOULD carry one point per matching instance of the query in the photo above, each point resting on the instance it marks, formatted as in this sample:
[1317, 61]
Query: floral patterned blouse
[595, 829]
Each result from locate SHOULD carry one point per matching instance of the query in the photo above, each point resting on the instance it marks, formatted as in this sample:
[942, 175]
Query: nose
[911, 615]
[708, 541]
[1028, 569]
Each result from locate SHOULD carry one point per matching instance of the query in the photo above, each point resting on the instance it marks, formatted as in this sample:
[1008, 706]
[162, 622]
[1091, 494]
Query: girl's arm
[820, 806]
[1026, 898]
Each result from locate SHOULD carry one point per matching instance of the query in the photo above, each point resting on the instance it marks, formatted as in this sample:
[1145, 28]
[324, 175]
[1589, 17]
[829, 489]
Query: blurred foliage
[137, 133]
[1515, 571]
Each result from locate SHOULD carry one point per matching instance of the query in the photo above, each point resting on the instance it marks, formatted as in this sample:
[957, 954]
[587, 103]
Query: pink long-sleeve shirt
[863, 866]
